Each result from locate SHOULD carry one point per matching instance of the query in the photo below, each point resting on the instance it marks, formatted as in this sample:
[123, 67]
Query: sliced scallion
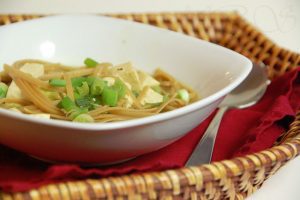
[83, 102]
[120, 87]
[67, 104]
[77, 81]
[84, 118]
[90, 80]
[57, 82]
[77, 111]
[83, 90]
[90, 62]
[97, 87]
[3, 90]
[110, 96]
[156, 88]
[184, 95]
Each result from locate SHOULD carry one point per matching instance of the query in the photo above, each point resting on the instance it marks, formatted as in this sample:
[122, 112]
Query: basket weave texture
[229, 179]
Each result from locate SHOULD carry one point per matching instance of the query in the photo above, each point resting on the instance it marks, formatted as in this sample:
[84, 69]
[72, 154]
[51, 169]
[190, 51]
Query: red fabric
[241, 132]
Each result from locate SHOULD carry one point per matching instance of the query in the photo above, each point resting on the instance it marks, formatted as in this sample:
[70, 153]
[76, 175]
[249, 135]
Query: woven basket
[230, 179]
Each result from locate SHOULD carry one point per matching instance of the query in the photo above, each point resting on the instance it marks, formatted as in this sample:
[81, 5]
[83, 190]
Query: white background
[278, 19]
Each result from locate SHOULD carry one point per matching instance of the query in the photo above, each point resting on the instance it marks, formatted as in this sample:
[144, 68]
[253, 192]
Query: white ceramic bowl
[210, 69]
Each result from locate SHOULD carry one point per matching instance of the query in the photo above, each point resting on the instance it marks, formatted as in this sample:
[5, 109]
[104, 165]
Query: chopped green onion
[165, 98]
[77, 81]
[57, 82]
[84, 90]
[156, 88]
[3, 90]
[51, 95]
[90, 80]
[76, 95]
[184, 95]
[77, 111]
[84, 118]
[90, 62]
[120, 87]
[67, 104]
[83, 102]
[97, 87]
[110, 96]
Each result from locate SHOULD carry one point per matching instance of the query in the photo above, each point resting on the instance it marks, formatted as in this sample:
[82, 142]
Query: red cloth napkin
[241, 132]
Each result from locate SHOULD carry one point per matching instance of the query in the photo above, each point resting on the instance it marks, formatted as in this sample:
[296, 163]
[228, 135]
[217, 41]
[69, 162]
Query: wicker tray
[230, 179]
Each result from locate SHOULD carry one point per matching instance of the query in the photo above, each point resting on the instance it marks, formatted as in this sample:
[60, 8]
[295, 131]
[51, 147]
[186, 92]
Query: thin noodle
[37, 97]
[69, 86]
[14, 100]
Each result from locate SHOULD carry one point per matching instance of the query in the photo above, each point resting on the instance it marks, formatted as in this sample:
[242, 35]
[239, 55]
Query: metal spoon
[246, 94]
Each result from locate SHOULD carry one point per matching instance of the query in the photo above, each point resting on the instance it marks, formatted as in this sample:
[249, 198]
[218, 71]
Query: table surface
[278, 19]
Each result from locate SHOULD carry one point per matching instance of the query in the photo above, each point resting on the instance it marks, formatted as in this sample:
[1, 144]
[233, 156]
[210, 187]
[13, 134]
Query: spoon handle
[204, 149]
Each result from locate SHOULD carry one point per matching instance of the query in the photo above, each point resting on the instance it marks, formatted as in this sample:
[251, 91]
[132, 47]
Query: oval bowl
[211, 70]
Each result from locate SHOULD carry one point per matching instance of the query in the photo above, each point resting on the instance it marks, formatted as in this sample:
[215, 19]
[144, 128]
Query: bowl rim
[139, 121]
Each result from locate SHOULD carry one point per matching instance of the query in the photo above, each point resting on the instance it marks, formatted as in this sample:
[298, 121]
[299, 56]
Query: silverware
[246, 94]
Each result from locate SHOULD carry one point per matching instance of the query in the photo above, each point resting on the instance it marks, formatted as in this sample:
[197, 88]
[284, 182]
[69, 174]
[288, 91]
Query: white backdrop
[278, 19]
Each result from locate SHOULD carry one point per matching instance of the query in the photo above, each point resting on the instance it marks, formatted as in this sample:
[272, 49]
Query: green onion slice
[90, 62]
[83, 90]
[110, 96]
[97, 87]
[120, 87]
[57, 82]
[3, 90]
[67, 104]
[78, 81]
[184, 95]
[84, 118]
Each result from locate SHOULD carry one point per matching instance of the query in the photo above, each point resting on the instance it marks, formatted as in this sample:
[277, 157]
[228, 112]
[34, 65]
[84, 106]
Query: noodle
[14, 100]
[69, 87]
[67, 99]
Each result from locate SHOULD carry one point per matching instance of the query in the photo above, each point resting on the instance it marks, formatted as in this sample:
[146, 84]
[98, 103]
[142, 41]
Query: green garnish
[165, 98]
[57, 82]
[156, 88]
[90, 80]
[120, 87]
[110, 96]
[83, 90]
[76, 95]
[51, 94]
[83, 102]
[184, 95]
[77, 81]
[77, 111]
[67, 104]
[3, 90]
[84, 118]
[90, 62]
[97, 87]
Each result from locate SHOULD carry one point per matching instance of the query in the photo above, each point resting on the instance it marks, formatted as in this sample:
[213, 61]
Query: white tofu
[36, 70]
[147, 80]
[127, 74]
[151, 97]
[13, 91]
[41, 115]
